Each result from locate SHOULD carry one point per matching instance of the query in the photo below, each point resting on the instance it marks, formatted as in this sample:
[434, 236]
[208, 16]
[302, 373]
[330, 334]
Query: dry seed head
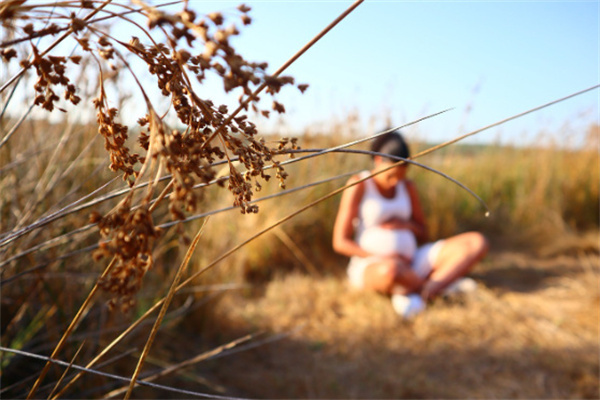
[188, 16]
[278, 107]
[8, 53]
[216, 18]
[156, 18]
[135, 43]
[186, 155]
[104, 42]
[302, 87]
[244, 8]
[128, 236]
[77, 24]
[246, 20]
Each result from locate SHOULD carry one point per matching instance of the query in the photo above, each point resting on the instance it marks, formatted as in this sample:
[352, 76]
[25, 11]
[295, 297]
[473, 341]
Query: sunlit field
[530, 330]
[151, 253]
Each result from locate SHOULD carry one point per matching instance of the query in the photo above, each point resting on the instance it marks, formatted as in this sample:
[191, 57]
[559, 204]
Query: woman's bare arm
[418, 223]
[343, 230]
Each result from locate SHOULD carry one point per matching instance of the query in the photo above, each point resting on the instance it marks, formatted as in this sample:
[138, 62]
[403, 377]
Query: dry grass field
[529, 331]
[122, 257]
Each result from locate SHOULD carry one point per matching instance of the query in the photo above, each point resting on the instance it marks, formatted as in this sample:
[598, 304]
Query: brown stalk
[68, 332]
[45, 182]
[101, 365]
[62, 377]
[297, 252]
[194, 360]
[434, 148]
[163, 310]
[284, 67]
[16, 126]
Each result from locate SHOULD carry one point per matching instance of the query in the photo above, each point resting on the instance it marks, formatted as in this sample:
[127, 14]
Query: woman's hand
[397, 223]
[402, 259]
[415, 227]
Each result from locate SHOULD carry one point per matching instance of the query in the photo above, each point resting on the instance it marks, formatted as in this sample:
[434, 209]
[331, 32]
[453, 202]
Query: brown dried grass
[41, 293]
[530, 331]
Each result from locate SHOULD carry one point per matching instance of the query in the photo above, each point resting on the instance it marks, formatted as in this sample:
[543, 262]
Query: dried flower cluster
[212, 132]
[115, 136]
[128, 237]
[51, 71]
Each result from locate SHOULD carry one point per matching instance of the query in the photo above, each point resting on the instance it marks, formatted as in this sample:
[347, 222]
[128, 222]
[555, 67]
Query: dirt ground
[530, 330]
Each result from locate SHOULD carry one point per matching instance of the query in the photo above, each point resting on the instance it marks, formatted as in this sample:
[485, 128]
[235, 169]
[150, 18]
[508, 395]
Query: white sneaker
[461, 285]
[407, 306]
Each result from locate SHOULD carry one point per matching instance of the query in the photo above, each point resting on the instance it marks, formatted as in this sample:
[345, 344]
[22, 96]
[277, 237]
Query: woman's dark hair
[391, 143]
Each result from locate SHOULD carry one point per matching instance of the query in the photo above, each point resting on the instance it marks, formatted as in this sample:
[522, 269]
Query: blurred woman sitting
[379, 224]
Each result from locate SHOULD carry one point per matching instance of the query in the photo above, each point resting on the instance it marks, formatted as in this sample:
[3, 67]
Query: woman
[378, 225]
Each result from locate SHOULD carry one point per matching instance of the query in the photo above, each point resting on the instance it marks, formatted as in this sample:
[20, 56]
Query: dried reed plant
[36, 36]
[161, 164]
[212, 132]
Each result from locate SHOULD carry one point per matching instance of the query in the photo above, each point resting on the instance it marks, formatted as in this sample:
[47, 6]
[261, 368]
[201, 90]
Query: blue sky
[397, 61]
[401, 60]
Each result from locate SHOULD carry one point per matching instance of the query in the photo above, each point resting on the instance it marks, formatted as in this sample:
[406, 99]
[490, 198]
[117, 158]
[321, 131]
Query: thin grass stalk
[66, 371]
[63, 212]
[6, 137]
[287, 241]
[194, 360]
[495, 124]
[101, 365]
[445, 144]
[164, 308]
[39, 191]
[72, 165]
[23, 157]
[69, 330]
[113, 376]
[287, 162]
[58, 240]
[285, 65]
[6, 104]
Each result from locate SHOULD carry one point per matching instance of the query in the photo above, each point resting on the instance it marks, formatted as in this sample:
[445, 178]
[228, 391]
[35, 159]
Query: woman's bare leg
[392, 276]
[457, 257]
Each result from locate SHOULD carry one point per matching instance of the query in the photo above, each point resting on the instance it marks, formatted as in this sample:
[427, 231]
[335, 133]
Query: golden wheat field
[193, 259]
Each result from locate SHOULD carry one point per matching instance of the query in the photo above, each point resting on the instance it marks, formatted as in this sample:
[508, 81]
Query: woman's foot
[461, 285]
[407, 306]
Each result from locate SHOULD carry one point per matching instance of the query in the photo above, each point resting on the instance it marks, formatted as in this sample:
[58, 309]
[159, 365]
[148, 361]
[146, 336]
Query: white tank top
[375, 209]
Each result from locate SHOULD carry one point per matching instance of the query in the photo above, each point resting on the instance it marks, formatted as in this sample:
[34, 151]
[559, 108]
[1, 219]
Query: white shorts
[422, 263]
